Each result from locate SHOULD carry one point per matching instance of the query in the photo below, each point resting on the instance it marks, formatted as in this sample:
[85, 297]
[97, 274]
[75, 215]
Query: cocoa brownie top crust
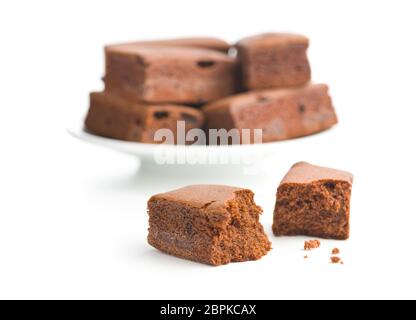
[253, 97]
[209, 197]
[273, 40]
[304, 172]
[193, 42]
[150, 54]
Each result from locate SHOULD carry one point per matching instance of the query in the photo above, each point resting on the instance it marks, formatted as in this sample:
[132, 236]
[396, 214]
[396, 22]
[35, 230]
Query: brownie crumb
[335, 251]
[312, 244]
[305, 257]
[336, 260]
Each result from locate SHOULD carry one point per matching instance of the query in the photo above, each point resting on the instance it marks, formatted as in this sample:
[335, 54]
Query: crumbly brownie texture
[335, 260]
[281, 113]
[313, 201]
[335, 251]
[169, 74]
[274, 60]
[207, 223]
[199, 42]
[113, 117]
[311, 244]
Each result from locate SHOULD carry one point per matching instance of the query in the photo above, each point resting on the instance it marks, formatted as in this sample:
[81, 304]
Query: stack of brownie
[151, 85]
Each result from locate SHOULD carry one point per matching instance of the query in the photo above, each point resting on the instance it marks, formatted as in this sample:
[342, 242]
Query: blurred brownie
[113, 117]
[313, 201]
[274, 60]
[169, 74]
[199, 42]
[280, 113]
[210, 224]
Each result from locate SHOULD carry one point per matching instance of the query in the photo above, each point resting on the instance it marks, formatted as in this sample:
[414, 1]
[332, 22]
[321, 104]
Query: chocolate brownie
[210, 224]
[169, 74]
[313, 201]
[274, 60]
[281, 113]
[199, 42]
[113, 117]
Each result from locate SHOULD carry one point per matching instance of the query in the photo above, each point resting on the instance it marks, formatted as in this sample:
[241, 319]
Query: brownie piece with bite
[280, 113]
[211, 224]
[196, 42]
[113, 117]
[159, 74]
[313, 201]
[274, 60]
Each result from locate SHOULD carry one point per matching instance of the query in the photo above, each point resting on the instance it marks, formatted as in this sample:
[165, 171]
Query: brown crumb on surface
[312, 244]
[305, 257]
[335, 251]
[336, 260]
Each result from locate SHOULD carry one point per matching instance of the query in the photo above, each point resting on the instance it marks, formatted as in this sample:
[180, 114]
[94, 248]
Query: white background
[73, 218]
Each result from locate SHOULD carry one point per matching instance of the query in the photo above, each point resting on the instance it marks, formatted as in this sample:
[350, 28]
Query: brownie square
[280, 113]
[158, 74]
[210, 224]
[113, 117]
[313, 201]
[195, 42]
[274, 60]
